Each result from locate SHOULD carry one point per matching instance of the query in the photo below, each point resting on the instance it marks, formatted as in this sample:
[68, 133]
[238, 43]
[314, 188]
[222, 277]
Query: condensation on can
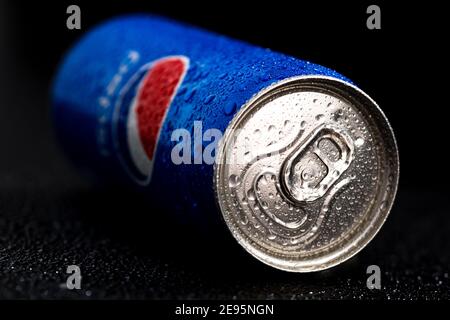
[306, 173]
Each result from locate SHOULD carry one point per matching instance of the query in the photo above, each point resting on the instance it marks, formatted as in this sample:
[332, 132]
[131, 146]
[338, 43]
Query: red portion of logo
[154, 98]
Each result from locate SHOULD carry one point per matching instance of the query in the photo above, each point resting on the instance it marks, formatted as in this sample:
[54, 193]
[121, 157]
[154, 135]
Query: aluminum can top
[306, 173]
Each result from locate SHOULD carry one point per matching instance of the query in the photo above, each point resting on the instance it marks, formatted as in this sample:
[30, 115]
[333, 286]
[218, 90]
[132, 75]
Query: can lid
[306, 173]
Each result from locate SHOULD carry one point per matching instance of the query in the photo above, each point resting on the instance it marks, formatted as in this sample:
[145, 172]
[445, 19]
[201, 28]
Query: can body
[146, 99]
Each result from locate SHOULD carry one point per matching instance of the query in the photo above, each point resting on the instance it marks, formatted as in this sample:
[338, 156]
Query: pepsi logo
[141, 109]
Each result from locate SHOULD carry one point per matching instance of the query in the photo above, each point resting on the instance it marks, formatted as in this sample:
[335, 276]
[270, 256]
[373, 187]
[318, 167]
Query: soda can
[300, 164]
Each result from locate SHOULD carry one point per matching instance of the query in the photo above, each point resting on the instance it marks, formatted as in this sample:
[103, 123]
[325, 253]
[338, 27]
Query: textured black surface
[51, 217]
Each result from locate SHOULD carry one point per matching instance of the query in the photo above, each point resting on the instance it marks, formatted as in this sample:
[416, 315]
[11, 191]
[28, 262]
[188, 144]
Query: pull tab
[316, 164]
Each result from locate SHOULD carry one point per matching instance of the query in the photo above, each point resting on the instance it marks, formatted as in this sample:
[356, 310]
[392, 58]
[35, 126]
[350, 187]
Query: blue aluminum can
[157, 104]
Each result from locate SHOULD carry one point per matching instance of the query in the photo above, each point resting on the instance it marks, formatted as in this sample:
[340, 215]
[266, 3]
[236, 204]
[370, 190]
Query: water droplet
[251, 195]
[271, 236]
[234, 181]
[229, 108]
[264, 76]
[319, 117]
[272, 177]
[209, 99]
[189, 94]
[359, 141]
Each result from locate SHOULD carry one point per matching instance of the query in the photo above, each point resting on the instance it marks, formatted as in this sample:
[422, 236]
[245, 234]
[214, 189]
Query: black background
[51, 217]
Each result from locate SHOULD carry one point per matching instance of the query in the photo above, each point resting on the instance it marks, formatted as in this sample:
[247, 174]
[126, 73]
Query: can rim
[362, 238]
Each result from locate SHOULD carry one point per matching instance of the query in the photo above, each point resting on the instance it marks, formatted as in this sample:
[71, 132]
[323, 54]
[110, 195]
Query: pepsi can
[299, 163]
